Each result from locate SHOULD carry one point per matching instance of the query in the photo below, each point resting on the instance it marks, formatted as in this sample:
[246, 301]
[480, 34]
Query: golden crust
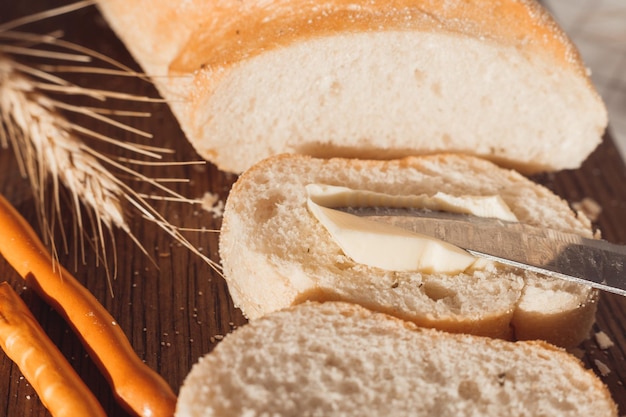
[233, 30]
[201, 33]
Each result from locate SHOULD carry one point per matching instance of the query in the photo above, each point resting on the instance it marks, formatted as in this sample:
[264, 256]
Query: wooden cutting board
[175, 307]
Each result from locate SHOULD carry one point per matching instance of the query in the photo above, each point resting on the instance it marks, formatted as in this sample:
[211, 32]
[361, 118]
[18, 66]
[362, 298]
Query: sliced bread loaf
[336, 359]
[366, 79]
[275, 252]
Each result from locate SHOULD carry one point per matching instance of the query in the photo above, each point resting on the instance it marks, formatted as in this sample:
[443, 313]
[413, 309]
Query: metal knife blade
[592, 262]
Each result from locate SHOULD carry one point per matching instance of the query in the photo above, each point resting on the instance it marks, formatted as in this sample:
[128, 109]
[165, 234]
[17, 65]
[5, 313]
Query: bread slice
[336, 359]
[384, 79]
[275, 253]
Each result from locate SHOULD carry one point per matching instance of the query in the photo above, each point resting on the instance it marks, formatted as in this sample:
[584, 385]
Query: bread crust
[219, 33]
[230, 31]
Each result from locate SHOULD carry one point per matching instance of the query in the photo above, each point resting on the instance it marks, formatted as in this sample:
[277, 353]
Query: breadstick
[138, 388]
[59, 387]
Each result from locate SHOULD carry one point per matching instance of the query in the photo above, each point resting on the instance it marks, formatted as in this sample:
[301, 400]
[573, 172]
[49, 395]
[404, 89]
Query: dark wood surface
[175, 308]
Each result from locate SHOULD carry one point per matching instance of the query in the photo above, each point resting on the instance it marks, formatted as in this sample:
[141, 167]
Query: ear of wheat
[50, 148]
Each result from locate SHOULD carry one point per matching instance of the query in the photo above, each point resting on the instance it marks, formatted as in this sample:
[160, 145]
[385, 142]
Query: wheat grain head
[49, 146]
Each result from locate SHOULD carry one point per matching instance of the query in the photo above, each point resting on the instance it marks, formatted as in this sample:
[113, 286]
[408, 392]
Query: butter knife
[597, 263]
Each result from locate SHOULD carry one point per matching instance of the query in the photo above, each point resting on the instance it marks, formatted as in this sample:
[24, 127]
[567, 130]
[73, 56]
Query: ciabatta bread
[275, 253]
[366, 79]
[336, 359]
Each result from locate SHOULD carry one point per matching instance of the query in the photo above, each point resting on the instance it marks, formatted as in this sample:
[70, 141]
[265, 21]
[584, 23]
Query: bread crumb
[589, 207]
[211, 202]
[602, 368]
[603, 340]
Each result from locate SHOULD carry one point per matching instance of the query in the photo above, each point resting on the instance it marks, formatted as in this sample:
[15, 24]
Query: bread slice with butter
[337, 359]
[276, 253]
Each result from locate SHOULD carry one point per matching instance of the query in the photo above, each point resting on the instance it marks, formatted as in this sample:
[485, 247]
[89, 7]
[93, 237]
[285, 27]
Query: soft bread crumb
[602, 367]
[211, 202]
[589, 207]
[603, 340]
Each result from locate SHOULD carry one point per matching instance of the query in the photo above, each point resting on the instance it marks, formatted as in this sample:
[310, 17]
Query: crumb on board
[216, 338]
[211, 202]
[589, 207]
[602, 368]
[603, 340]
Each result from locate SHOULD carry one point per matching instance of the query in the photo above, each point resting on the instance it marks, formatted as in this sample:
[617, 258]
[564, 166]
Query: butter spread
[482, 206]
[392, 248]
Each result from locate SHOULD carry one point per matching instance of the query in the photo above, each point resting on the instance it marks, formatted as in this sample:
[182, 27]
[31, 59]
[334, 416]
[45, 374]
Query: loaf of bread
[336, 359]
[366, 79]
[275, 253]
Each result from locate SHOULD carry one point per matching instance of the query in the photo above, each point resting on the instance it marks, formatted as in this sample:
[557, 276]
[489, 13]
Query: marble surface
[598, 28]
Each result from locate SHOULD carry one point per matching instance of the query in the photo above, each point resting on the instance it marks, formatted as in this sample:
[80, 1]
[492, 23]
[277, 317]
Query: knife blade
[597, 263]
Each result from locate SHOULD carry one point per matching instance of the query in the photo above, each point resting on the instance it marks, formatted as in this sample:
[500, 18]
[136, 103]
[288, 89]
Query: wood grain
[175, 308]
[602, 178]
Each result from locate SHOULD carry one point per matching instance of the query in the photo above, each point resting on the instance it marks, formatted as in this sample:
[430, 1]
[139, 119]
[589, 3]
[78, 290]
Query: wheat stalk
[48, 145]
[46, 148]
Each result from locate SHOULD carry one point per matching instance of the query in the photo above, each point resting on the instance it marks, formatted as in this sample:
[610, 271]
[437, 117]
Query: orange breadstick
[137, 387]
[23, 340]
